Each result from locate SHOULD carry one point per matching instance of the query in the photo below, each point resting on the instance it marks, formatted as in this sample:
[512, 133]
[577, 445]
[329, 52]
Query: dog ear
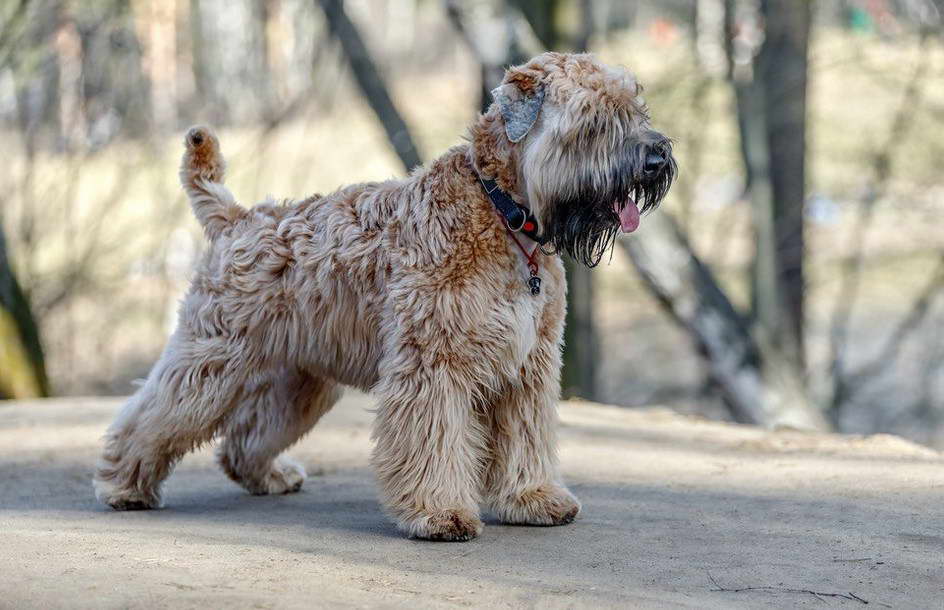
[519, 99]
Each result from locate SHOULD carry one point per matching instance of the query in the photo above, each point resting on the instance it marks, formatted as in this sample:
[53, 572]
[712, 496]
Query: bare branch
[370, 82]
[757, 384]
[458, 20]
[818, 594]
[906, 326]
[582, 43]
[495, 44]
[9, 29]
[852, 274]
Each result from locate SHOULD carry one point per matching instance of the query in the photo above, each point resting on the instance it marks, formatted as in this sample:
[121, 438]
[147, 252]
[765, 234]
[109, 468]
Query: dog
[442, 293]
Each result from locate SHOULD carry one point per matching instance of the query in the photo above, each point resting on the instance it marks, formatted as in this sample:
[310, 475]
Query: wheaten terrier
[442, 294]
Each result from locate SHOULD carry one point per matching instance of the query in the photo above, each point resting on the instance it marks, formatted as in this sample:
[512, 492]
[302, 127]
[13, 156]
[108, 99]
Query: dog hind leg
[182, 404]
[268, 420]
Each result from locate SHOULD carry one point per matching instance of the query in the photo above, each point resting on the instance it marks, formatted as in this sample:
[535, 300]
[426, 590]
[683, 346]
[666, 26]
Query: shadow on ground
[666, 502]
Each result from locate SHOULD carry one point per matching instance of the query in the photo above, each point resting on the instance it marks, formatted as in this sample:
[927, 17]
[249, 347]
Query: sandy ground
[674, 509]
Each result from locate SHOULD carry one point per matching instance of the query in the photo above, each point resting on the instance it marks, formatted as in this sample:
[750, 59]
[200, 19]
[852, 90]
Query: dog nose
[654, 163]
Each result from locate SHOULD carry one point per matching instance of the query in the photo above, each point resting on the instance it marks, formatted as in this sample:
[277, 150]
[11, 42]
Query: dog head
[585, 158]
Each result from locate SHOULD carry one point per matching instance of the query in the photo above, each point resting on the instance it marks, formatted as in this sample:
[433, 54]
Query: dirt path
[674, 508]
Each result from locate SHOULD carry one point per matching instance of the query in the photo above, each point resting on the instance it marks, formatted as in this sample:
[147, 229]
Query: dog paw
[124, 499]
[547, 505]
[286, 476]
[446, 526]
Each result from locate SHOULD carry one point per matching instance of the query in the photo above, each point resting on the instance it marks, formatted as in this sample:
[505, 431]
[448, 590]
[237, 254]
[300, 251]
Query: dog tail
[201, 174]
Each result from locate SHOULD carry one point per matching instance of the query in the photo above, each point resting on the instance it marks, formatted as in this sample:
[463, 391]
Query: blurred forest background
[793, 277]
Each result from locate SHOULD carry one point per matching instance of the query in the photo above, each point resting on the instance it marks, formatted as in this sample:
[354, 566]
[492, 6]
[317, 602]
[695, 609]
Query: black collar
[518, 218]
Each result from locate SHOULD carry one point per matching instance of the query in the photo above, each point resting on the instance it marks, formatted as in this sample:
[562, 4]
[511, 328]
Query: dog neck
[517, 218]
[496, 161]
[493, 157]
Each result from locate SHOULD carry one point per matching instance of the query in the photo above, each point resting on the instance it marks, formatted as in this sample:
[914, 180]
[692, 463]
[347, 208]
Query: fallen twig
[818, 594]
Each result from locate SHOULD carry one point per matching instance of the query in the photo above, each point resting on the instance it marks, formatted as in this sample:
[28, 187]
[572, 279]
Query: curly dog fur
[409, 289]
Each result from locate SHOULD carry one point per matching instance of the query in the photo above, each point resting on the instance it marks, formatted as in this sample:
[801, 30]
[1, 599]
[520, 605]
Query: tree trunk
[22, 366]
[542, 15]
[370, 82]
[581, 342]
[36, 73]
[782, 70]
[497, 49]
[757, 385]
[114, 84]
[772, 122]
[259, 68]
[742, 85]
[203, 67]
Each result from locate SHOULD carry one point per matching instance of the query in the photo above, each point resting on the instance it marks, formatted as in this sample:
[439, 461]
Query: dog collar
[518, 218]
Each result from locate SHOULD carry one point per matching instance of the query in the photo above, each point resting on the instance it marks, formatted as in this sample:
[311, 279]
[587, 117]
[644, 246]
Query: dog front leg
[428, 453]
[522, 482]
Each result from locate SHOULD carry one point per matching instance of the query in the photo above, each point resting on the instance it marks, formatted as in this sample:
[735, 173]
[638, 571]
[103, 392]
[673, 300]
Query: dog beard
[584, 231]
[585, 227]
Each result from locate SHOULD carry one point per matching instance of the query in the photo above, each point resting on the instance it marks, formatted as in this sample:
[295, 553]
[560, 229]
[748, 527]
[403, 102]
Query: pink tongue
[628, 215]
